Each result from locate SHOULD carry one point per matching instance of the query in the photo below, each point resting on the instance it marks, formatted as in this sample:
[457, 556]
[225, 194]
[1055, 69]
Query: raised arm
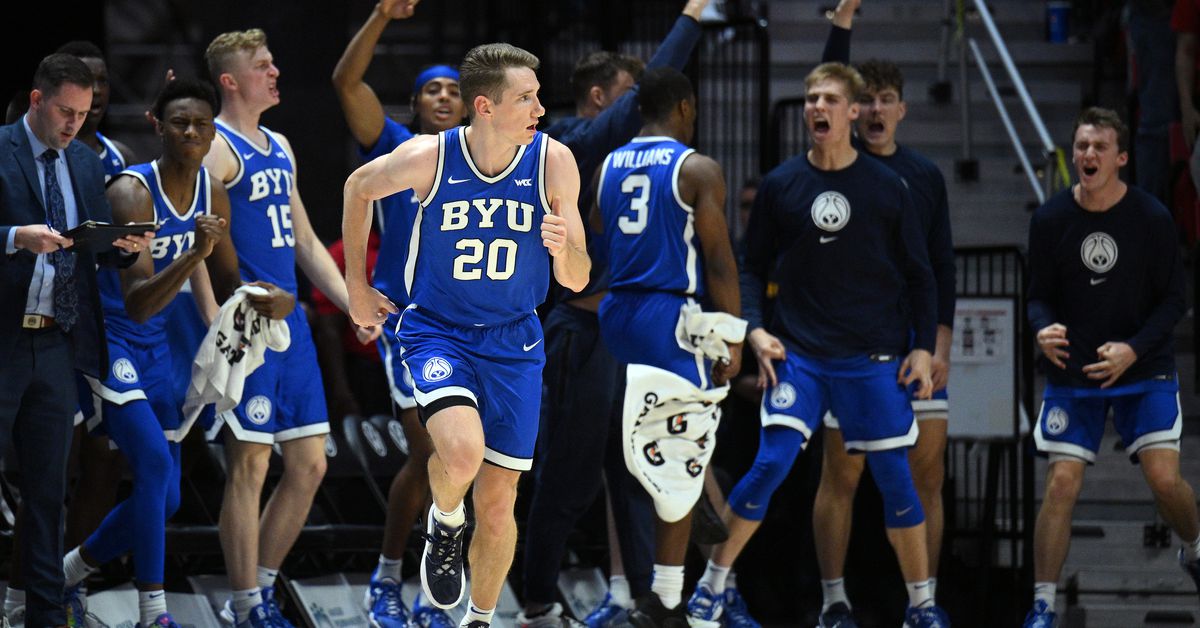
[411, 166]
[562, 229]
[361, 107]
[146, 292]
[837, 46]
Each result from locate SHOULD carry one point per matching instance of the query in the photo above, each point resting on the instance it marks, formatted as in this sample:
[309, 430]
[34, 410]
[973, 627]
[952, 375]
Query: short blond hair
[226, 45]
[844, 74]
[484, 71]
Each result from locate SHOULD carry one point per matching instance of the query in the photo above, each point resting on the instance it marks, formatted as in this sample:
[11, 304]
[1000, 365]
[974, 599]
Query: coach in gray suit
[50, 318]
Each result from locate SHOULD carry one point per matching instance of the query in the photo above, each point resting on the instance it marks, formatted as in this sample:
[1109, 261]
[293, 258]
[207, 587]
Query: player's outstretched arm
[837, 45]
[411, 166]
[702, 185]
[361, 107]
[146, 293]
[562, 229]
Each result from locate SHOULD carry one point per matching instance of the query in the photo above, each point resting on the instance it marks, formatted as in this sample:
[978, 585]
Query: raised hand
[398, 9]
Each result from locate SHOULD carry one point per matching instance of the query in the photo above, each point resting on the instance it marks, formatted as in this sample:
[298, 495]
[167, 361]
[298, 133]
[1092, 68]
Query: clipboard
[98, 237]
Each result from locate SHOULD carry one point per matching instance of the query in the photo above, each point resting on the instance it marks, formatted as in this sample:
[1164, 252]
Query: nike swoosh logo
[528, 347]
[155, 596]
[751, 506]
[827, 239]
[452, 180]
[1097, 281]
[247, 155]
[901, 513]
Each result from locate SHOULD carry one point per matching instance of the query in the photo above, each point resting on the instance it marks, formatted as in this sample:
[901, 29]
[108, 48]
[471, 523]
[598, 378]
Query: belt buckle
[31, 321]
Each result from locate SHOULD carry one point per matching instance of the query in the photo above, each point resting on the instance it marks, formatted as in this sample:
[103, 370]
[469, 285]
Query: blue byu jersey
[111, 158]
[476, 256]
[648, 229]
[394, 219]
[260, 208]
[176, 234]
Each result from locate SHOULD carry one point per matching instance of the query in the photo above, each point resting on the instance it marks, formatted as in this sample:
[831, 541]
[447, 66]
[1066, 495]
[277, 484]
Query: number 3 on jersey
[281, 225]
[639, 204]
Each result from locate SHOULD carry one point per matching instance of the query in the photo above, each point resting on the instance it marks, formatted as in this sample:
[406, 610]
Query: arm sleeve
[759, 249]
[677, 47]
[1168, 280]
[1041, 276]
[914, 251]
[837, 46]
[941, 254]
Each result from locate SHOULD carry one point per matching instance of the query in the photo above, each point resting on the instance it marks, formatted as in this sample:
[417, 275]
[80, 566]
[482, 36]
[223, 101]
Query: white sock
[933, 588]
[920, 594]
[667, 584]
[151, 604]
[244, 601]
[13, 599]
[388, 569]
[453, 519]
[833, 591]
[75, 570]
[731, 580]
[618, 588]
[714, 577]
[1045, 591]
[266, 577]
[474, 613]
[1191, 550]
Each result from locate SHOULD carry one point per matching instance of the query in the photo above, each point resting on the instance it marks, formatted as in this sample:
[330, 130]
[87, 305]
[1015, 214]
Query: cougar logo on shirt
[1056, 421]
[258, 410]
[123, 370]
[1099, 252]
[783, 396]
[436, 369]
[830, 211]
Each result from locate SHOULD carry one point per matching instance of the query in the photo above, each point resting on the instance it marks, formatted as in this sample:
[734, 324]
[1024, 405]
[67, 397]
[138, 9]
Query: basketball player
[1106, 288]
[280, 403]
[882, 108]
[839, 232]
[437, 105]
[114, 156]
[493, 195]
[140, 410]
[660, 216]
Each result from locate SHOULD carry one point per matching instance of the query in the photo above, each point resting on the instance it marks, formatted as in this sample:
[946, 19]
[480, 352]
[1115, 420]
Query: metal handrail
[1008, 125]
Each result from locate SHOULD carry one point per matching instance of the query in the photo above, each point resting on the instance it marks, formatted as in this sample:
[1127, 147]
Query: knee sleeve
[777, 450]
[901, 506]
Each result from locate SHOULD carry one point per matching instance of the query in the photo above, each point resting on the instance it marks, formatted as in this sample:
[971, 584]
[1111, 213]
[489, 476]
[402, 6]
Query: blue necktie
[66, 300]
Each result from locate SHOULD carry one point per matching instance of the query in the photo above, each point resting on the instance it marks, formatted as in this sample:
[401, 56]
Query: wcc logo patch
[1056, 421]
[1099, 252]
[830, 211]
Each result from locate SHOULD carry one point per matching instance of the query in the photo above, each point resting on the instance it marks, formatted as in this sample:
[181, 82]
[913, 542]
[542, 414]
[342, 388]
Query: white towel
[669, 433]
[706, 333]
[234, 346]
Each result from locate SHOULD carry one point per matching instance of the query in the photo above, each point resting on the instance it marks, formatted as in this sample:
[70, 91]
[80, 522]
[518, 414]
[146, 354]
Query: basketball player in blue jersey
[437, 105]
[495, 197]
[882, 108]
[280, 403]
[140, 408]
[1106, 288]
[660, 218]
[839, 232]
[114, 155]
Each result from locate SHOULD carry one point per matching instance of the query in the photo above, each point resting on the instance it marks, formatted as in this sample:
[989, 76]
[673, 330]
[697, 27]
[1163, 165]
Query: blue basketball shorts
[639, 328]
[87, 401]
[137, 372]
[283, 398]
[400, 381]
[1146, 414]
[874, 412]
[934, 408]
[497, 368]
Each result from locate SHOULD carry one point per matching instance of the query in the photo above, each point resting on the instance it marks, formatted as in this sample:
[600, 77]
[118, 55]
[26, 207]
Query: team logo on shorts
[783, 396]
[374, 439]
[330, 446]
[258, 410]
[396, 431]
[653, 455]
[436, 369]
[831, 211]
[123, 370]
[1099, 252]
[1056, 421]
